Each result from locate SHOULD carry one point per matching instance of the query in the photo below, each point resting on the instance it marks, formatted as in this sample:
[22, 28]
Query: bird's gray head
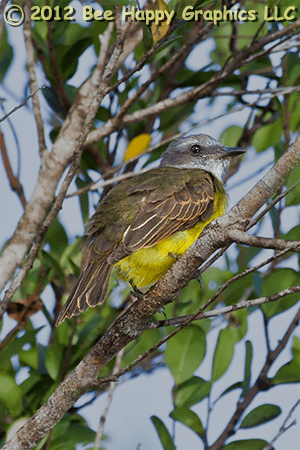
[200, 151]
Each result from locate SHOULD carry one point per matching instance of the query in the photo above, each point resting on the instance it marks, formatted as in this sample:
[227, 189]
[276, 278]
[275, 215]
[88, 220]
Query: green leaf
[29, 357]
[30, 382]
[42, 350]
[247, 371]
[179, 5]
[83, 199]
[238, 324]
[231, 136]
[163, 433]
[290, 372]
[293, 69]
[247, 444]
[57, 238]
[294, 107]
[52, 101]
[71, 430]
[267, 136]
[188, 418]
[75, 433]
[191, 392]
[220, 53]
[223, 354]
[236, 289]
[53, 360]
[185, 352]
[15, 346]
[293, 197]
[147, 38]
[260, 415]
[277, 281]
[33, 279]
[293, 234]
[170, 120]
[247, 30]
[136, 348]
[234, 386]
[6, 53]
[10, 394]
[258, 282]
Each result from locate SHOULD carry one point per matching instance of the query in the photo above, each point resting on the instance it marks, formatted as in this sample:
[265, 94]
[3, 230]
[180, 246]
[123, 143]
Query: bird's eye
[195, 149]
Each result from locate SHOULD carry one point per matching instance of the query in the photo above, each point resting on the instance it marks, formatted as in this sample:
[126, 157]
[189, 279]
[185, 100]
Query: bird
[145, 223]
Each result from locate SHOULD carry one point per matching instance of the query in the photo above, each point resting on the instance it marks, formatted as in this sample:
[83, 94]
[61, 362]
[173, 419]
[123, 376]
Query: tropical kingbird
[145, 223]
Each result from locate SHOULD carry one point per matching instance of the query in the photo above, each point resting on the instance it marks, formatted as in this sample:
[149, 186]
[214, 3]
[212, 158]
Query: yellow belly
[149, 264]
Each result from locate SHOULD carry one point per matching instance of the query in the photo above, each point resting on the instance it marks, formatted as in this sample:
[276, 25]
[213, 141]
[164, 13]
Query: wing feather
[159, 217]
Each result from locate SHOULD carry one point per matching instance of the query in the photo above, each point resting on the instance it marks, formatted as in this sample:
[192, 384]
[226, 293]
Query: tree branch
[226, 310]
[241, 237]
[32, 75]
[284, 427]
[21, 104]
[112, 387]
[14, 181]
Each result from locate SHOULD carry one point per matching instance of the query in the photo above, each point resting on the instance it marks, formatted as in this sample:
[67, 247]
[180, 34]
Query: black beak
[231, 152]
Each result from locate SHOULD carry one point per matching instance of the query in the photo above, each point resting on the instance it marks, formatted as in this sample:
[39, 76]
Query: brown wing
[160, 216]
[92, 284]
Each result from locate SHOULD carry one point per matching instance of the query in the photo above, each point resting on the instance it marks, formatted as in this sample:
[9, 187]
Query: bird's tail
[89, 290]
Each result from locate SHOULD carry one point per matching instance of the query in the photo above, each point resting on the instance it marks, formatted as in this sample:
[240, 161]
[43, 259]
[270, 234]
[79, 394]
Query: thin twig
[14, 181]
[21, 104]
[283, 427]
[270, 206]
[18, 150]
[100, 184]
[275, 92]
[266, 321]
[32, 76]
[111, 389]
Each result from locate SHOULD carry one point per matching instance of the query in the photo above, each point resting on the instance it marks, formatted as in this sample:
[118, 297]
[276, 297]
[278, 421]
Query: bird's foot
[136, 292]
[162, 311]
[173, 255]
[199, 281]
